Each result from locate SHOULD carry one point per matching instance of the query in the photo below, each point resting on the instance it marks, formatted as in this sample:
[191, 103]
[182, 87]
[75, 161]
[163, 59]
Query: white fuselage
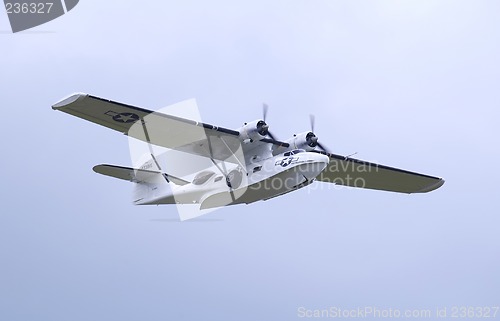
[260, 180]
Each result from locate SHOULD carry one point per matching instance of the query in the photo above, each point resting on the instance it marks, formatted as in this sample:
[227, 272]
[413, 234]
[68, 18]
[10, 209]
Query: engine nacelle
[253, 131]
[307, 141]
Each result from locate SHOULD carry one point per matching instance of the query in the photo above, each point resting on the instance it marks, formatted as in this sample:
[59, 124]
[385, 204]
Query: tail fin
[152, 187]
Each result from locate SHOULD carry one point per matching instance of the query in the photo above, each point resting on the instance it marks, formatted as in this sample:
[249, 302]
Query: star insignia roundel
[126, 118]
[286, 161]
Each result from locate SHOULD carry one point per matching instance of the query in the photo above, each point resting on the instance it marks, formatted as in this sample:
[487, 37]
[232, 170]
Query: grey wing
[153, 127]
[357, 173]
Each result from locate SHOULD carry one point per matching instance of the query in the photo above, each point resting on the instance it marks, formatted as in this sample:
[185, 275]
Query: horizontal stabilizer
[135, 175]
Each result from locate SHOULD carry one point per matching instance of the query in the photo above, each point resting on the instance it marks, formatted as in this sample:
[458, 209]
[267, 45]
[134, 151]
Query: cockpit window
[202, 177]
[293, 152]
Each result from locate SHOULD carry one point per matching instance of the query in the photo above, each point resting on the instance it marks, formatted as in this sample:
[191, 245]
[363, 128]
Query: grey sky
[410, 84]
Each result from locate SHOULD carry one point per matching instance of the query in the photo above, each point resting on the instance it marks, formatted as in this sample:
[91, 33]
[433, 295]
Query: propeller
[262, 128]
[312, 139]
[265, 108]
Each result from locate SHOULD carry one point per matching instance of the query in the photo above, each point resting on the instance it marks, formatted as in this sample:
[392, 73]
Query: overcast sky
[410, 84]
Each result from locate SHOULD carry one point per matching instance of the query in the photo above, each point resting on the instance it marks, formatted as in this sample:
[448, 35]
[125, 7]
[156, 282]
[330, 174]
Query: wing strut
[223, 170]
[148, 140]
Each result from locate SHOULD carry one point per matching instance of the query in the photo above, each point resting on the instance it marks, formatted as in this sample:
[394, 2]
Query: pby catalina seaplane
[245, 165]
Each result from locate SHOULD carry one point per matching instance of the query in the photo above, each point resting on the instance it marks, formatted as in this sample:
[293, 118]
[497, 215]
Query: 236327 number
[474, 312]
[27, 7]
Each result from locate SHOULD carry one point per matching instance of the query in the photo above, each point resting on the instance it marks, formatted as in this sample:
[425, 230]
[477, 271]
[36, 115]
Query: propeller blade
[323, 148]
[275, 142]
[265, 108]
[271, 135]
[312, 120]
[315, 138]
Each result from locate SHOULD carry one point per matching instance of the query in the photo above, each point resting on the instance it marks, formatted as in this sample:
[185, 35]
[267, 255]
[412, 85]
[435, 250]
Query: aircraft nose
[323, 160]
[318, 163]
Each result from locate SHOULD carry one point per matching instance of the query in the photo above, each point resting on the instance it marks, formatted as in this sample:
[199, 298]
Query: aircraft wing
[357, 173]
[153, 127]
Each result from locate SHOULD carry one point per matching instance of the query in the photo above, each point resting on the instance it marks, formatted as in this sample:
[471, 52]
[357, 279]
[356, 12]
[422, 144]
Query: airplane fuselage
[261, 179]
